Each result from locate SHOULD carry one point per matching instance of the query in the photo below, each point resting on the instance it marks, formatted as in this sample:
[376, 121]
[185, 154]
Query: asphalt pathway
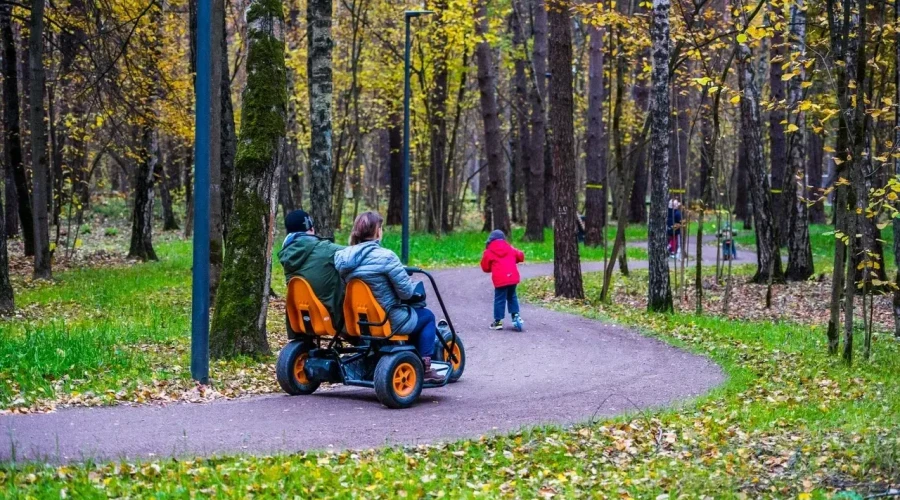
[563, 369]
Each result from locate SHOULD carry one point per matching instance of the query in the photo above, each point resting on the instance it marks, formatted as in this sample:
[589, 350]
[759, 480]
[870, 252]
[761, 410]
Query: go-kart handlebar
[449, 347]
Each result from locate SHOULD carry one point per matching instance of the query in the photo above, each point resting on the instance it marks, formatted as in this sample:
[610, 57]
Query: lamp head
[417, 13]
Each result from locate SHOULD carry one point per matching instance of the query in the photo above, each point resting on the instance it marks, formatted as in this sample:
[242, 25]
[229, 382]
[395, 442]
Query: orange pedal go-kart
[368, 354]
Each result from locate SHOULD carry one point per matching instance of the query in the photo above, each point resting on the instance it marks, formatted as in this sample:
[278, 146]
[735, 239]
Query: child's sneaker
[518, 322]
[496, 325]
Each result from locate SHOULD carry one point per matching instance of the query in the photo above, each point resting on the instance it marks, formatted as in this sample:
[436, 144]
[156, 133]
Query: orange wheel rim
[299, 374]
[457, 357]
[404, 379]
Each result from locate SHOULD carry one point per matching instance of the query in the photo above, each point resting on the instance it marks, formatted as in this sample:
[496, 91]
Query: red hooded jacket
[500, 259]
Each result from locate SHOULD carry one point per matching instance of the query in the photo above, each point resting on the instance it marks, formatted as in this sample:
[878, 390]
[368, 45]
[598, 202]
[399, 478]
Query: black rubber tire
[284, 370]
[455, 374]
[384, 379]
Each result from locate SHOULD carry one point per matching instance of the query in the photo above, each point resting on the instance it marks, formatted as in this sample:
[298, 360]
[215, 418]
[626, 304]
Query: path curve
[563, 369]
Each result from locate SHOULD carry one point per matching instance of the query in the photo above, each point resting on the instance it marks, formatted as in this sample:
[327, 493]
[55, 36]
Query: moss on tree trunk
[239, 320]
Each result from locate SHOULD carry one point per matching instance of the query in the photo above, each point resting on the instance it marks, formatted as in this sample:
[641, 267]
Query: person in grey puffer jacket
[386, 276]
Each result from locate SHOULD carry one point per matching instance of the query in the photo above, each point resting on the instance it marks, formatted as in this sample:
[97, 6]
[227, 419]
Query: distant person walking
[501, 259]
[673, 226]
[729, 251]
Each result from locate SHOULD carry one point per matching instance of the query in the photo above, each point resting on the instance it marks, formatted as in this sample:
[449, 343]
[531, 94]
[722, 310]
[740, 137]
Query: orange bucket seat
[360, 306]
[306, 312]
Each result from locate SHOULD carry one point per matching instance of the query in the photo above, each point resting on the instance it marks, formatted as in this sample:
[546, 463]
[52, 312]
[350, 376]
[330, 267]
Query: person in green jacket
[308, 256]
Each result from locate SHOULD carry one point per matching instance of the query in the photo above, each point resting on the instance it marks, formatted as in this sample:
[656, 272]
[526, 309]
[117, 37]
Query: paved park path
[563, 369]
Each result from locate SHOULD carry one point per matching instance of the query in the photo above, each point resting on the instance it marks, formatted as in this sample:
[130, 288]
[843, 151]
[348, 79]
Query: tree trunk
[39, 143]
[815, 154]
[596, 145]
[534, 221]
[492, 134]
[896, 224]
[142, 214]
[680, 124]
[189, 192]
[778, 155]
[395, 144]
[549, 178]
[637, 211]
[320, 90]
[767, 252]
[7, 302]
[170, 223]
[239, 320]
[216, 134]
[522, 143]
[437, 186]
[566, 263]
[800, 260]
[659, 292]
[10, 200]
[17, 190]
[742, 210]
[228, 140]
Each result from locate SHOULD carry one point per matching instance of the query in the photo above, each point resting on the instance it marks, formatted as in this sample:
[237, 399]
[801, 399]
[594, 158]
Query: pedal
[441, 367]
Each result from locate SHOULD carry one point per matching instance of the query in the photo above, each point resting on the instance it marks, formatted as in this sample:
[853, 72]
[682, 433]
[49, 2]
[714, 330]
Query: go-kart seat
[306, 313]
[360, 306]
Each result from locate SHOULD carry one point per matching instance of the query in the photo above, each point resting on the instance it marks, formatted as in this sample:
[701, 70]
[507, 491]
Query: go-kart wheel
[459, 353]
[289, 369]
[398, 379]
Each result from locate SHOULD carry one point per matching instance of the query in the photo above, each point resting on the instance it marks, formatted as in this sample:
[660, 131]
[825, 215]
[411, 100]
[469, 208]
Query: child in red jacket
[500, 259]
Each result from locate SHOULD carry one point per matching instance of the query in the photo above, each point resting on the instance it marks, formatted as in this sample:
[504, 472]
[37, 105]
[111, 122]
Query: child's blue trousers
[504, 297]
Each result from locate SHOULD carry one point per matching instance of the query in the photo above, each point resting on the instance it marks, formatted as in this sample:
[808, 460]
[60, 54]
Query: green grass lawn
[821, 238]
[790, 422]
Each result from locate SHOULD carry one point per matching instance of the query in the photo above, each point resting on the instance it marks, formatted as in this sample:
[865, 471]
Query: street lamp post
[404, 253]
[200, 272]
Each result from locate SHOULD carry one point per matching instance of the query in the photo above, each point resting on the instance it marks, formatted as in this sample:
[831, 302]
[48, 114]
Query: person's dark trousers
[425, 334]
[505, 297]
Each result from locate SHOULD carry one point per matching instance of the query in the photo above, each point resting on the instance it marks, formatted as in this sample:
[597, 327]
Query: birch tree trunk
[566, 262]
[659, 292]
[492, 134]
[12, 140]
[800, 260]
[239, 320]
[320, 91]
[534, 221]
[40, 169]
[596, 144]
[767, 252]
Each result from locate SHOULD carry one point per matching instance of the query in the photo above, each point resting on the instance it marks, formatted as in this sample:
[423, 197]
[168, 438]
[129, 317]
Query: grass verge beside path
[821, 238]
[790, 422]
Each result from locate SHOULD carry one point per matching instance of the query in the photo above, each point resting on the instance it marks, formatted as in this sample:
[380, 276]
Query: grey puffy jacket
[382, 270]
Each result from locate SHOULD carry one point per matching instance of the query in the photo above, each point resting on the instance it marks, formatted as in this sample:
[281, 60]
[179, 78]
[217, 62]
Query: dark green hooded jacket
[312, 258]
